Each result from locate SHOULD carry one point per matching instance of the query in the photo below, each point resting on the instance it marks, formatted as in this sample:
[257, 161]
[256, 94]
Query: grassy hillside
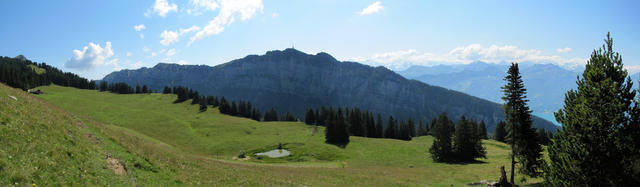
[43, 145]
[37, 69]
[178, 144]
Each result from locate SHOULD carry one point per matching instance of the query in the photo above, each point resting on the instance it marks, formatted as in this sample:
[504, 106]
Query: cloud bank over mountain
[403, 59]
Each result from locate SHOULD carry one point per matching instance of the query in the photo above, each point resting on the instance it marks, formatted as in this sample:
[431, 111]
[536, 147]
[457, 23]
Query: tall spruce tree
[500, 132]
[466, 141]
[323, 116]
[289, 117]
[355, 123]
[379, 127]
[441, 149]
[310, 117]
[271, 115]
[369, 124]
[482, 131]
[336, 131]
[196, 98]
[421, 130]
[403, 132]
[203, 105]
[525, 146]
[476, 140]
[256, 115]
[225, 108]
[599, 142]
[433, 124]
[544, 136]
[390, 131]
[412, 128]
[234, 109]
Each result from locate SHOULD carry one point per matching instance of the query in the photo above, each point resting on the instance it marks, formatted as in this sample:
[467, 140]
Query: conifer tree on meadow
[526, 149]
[599, 142]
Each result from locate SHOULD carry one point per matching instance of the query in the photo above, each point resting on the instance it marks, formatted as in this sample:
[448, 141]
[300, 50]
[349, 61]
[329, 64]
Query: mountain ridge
[292, 81]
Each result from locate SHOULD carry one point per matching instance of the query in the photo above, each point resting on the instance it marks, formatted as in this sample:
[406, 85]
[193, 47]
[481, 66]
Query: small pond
[276, 153]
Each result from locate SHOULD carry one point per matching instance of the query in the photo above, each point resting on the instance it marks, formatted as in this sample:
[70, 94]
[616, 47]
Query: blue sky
[94, 38]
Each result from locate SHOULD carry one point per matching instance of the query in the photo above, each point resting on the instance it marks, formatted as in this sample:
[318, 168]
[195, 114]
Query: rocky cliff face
[293, 81]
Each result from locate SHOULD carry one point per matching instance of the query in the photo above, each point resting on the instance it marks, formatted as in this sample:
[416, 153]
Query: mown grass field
[175, 144]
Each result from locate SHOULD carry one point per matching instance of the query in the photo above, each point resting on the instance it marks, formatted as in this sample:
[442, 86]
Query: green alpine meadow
[319, 93]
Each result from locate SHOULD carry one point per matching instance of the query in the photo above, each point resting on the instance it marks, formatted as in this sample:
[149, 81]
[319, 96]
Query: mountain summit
[293, 81]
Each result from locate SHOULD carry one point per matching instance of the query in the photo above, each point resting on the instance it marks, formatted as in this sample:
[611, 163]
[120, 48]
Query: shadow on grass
[535, 184]
[179, 101]
[455, 162]
[339, 145]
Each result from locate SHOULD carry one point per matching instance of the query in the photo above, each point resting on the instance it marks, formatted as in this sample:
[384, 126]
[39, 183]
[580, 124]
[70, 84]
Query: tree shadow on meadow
[455, 162]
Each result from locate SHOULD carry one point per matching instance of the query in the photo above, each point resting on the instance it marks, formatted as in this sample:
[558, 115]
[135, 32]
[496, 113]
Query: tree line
[234, 108]
[459, 142]
[122, 88]
[343, 122]
[22, 73]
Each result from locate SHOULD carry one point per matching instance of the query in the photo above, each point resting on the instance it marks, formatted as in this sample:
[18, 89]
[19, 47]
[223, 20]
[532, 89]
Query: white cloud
[182, 62]
[145, 49]
[168, 37]
[129, 53]
[137, 65]
[229, 10]
[171, 52]
[162, 7]
[563, 50]
[632, 69]
[398, 60]
[159, 52]
[91, 56]
[207, 4]
[147, 13]
[139, 28]
[372, 9]
[274, 15]
[190, 29]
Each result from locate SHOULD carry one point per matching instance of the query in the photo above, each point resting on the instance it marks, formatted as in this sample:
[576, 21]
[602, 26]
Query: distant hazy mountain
[293, 81]
[546, 83]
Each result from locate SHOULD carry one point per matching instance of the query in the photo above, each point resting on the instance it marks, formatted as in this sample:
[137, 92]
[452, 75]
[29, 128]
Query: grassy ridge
[196, 148]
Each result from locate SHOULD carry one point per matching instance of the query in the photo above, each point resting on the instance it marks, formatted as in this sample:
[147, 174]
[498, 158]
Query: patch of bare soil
[93, 138]
[80, 124]
[242, 159]
[116, 166]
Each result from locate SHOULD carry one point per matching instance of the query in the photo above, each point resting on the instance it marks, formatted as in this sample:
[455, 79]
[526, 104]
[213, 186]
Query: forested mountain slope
[292, 81]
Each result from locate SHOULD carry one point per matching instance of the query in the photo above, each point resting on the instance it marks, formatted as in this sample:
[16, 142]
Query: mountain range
[546, 84]
[292, 81]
